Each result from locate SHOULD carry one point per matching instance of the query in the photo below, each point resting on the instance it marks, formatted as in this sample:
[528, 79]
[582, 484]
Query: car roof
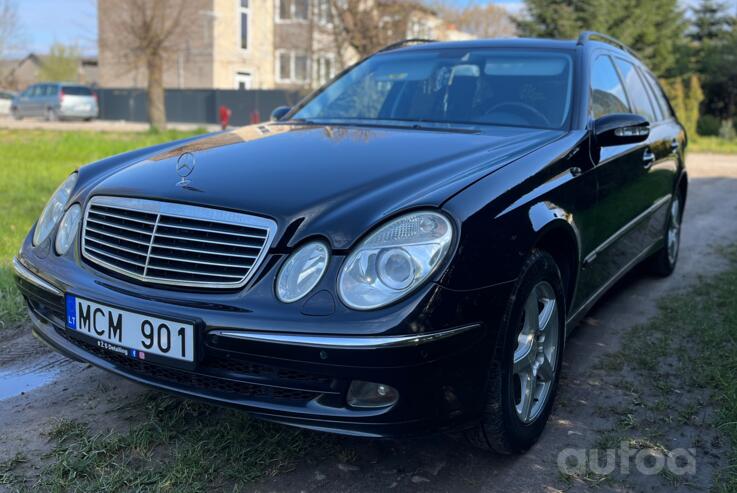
[540, 43]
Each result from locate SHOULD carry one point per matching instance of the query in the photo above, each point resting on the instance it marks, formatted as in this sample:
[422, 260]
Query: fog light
[367, 394]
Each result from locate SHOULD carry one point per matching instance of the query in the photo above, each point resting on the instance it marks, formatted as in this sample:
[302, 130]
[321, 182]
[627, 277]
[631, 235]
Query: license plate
[135, 335]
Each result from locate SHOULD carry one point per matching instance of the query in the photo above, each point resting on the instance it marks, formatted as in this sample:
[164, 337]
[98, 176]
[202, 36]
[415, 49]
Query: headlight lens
[51, 215]
[301, 272]
[68, 229]
[394, 260]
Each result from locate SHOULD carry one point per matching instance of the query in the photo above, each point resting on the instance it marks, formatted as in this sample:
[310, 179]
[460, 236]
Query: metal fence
[195, 105]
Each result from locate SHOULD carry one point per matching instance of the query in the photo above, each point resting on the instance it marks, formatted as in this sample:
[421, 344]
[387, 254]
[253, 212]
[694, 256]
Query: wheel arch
[559, 237]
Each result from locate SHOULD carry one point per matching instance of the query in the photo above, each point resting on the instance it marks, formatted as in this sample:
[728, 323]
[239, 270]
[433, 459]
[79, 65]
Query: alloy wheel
[536, 354]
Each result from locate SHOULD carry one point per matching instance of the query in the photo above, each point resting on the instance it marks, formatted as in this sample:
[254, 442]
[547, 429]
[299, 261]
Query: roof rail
[405, 42]
[593, 35]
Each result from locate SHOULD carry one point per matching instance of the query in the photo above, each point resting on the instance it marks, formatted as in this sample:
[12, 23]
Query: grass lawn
[694, 333]
[34, 163]
[713, 144]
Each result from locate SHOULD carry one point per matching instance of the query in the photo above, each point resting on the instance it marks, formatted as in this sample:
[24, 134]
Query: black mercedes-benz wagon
[403, 251]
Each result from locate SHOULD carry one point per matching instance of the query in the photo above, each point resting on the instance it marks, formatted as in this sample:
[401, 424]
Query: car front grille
[175, 244]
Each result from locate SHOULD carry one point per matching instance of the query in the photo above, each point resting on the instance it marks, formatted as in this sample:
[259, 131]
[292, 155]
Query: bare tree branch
[147, 33]
[10, 27]
[482, 20]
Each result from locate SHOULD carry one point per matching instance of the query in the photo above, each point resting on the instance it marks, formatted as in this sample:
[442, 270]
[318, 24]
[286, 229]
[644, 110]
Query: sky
[75, 22]
[45, 22]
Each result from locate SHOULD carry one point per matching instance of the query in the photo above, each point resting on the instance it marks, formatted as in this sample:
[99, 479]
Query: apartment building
[249, 44]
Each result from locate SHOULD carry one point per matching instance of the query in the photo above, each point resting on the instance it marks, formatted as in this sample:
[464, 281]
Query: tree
[711, 21]
[148, 33]
[654, 28]
[718, 67]
[10, 28]
[483, 21]
[713, 56]
[367, 26]
[61, 63]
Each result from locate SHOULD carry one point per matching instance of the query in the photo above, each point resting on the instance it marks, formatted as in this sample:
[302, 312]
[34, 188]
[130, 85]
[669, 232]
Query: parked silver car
[56, 101]
[6, 99]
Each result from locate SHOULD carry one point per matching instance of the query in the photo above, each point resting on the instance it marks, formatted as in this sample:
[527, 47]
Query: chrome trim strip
[182, 211]
[24, 273]
[625, 229]
[344, 342]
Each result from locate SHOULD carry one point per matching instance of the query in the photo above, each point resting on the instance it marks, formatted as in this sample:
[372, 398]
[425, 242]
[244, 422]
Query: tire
[16, 115]
[509, 426]
[51, 115]
[663, 262]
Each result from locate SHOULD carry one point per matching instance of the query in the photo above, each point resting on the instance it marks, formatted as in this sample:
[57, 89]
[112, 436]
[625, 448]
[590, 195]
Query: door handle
[674, 146]
[648, 158]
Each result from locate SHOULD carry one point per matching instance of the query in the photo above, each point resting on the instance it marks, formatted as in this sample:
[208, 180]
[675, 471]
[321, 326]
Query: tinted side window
[653, 101]
[659, 96]
[635, 90]
[607, 93]
[52, 90]
[77, 91]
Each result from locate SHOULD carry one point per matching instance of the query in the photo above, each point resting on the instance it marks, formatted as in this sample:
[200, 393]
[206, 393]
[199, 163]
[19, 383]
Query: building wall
[229, 59]
[210, 53]
[190, 66]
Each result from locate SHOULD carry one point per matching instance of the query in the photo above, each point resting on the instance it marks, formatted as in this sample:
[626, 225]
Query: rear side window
[607, 92]
[51, 90]
[659, 96]
[77, 91]
[635, 90]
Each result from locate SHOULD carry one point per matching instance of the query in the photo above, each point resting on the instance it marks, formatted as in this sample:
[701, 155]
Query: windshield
[477, 86]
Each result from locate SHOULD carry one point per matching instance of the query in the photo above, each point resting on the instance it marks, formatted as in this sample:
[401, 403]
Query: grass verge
[34, 163]
[713, 145]
[175, 445]
[691, 354]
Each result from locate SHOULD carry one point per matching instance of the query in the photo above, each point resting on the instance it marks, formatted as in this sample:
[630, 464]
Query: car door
[619, 171]
[667, 142]
[37, 100]
[659, 167]
[25, 101]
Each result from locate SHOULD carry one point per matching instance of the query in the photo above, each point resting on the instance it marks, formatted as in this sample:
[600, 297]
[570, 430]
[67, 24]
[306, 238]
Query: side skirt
[574, 319]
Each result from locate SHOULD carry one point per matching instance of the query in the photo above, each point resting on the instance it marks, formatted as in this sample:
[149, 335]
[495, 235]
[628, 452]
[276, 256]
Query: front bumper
[302, 379]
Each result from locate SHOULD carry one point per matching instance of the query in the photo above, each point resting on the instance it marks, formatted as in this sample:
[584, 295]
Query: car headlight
[51, 215]
[301, 272]
[68, 229]
[394, 260]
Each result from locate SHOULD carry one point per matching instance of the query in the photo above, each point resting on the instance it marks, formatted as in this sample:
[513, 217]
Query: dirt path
[593, 404]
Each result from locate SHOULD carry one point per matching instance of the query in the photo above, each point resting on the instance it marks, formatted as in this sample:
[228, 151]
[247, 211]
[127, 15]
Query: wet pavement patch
[21, 378]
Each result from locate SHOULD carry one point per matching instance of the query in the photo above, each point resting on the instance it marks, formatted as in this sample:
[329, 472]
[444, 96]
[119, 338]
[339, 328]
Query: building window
[293, 10]
[244, 11]
[243, 81]
[420, 29]
[324, 12]
[300, 68]
[292, 67]
[324, 68]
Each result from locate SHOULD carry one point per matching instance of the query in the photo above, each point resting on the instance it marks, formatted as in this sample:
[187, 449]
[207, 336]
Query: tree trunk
[156, 106]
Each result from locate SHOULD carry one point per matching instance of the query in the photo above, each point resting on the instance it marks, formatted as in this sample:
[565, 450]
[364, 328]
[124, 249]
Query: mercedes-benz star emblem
[185, 166]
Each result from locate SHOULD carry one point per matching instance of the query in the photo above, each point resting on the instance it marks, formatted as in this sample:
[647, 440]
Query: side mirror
[279, 113]
[621, 128]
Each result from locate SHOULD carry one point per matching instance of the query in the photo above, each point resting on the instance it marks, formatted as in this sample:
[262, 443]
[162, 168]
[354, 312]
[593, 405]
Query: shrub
[727, 131]
[708, 125]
